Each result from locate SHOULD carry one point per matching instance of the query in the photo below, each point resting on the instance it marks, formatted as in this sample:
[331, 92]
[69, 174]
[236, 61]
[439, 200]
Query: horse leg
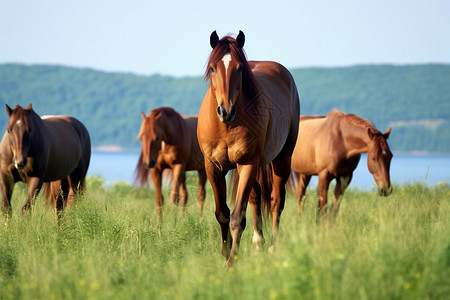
[7, 186]
[178, 178]
[201, 188]
[324, 181]
[157, 180]
[219, 187]
[247, 177]
[34, 186]
[342, 183]
[303, 181]
[183, 192]
[255, 202]
[280, 177]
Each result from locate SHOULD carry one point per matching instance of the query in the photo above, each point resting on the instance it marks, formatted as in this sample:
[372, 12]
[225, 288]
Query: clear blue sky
[172, 37]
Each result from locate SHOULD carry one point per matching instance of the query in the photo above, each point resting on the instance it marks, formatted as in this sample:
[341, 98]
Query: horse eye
[211, 69]
[373, 158]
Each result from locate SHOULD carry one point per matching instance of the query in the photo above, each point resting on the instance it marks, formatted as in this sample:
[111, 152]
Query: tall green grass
[111, 246]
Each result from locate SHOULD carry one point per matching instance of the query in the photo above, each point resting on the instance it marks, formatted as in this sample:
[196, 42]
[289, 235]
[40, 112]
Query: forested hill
[413, 99]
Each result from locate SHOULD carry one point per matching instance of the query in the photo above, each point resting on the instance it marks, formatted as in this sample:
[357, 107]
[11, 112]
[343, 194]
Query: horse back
[317, 145]
[68, 144]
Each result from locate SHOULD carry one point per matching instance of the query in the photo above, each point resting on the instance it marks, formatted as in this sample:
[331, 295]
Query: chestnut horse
[169, 140]
[54, 150]
[331, 146]
[248, 118]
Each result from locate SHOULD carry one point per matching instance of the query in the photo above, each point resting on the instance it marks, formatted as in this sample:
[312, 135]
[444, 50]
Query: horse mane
[352, 119]
[228, 44]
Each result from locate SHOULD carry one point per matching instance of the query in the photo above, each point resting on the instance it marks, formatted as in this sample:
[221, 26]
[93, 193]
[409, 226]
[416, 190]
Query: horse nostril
[221, 112]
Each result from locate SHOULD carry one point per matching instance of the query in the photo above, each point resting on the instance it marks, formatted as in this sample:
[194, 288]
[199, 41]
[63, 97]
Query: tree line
[407, 97]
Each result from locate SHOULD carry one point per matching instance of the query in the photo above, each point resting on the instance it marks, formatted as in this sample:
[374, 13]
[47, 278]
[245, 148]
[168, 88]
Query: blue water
[431, 169]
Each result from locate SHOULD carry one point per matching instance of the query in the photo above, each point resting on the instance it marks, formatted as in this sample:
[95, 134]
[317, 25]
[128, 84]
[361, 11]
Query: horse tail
[141, 173]
[265, 179]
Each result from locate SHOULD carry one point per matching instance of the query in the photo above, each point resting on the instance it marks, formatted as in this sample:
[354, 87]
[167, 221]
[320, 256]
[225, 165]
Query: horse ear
[30, 107]
[213, 39]
[387, 133]
[8, 110]
[240, 39]
[143, 116]
[370, 133]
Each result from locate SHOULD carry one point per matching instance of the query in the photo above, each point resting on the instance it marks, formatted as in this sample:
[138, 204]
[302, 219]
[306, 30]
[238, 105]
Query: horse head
[379, 158]
[19, 134]
[151, 137]
[227, 70]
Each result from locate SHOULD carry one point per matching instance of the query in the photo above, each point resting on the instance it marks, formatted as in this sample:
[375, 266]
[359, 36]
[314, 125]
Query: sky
[172, 37]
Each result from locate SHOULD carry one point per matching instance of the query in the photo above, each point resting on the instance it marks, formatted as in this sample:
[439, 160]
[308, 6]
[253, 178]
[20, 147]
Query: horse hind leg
[255, 202]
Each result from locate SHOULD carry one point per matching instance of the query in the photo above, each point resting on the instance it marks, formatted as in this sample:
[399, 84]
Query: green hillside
[414, 100]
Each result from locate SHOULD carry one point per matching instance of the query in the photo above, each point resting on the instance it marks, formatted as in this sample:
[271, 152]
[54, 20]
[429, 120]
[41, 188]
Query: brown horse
[169, 140]
[331, 146]
[54, 150]
[248, 118]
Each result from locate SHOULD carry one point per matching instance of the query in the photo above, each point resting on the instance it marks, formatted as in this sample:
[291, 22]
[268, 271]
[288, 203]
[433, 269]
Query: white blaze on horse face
[226, 61]
[19, 122]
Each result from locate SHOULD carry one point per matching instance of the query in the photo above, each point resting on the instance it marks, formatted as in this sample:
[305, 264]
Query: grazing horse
[54, 150]
[169, 140]
[331, 146]
[248, 119]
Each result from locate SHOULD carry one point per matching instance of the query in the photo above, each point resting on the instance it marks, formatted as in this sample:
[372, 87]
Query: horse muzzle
[19, 164]
[385, 190]
[226, 116]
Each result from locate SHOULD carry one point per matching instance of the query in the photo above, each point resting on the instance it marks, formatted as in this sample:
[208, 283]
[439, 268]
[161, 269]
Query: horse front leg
[341, 185]
[324, 181]
[219, 187]
[201, 189]
[159, 200]
[247, 177]
[34, 186]
[179, 193]
[7, 187]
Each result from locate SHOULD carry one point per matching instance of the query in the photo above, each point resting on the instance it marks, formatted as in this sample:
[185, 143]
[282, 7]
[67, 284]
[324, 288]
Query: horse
[248, 119]
[330, 147]
[169, 140]
[54, 150]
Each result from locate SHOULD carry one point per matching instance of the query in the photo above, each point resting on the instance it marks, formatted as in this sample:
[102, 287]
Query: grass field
[111, 246]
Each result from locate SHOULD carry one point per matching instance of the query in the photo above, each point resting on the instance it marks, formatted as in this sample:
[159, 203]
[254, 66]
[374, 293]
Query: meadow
[111, 246]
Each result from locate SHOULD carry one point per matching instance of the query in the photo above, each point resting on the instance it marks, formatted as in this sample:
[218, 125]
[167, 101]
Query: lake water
[431, 169]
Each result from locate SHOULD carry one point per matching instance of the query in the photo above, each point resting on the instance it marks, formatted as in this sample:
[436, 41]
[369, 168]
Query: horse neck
[356, 139]
[171, 129]
[37, 133]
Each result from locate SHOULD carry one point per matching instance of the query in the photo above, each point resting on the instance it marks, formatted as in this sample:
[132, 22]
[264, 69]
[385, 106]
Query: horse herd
[249, 120]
